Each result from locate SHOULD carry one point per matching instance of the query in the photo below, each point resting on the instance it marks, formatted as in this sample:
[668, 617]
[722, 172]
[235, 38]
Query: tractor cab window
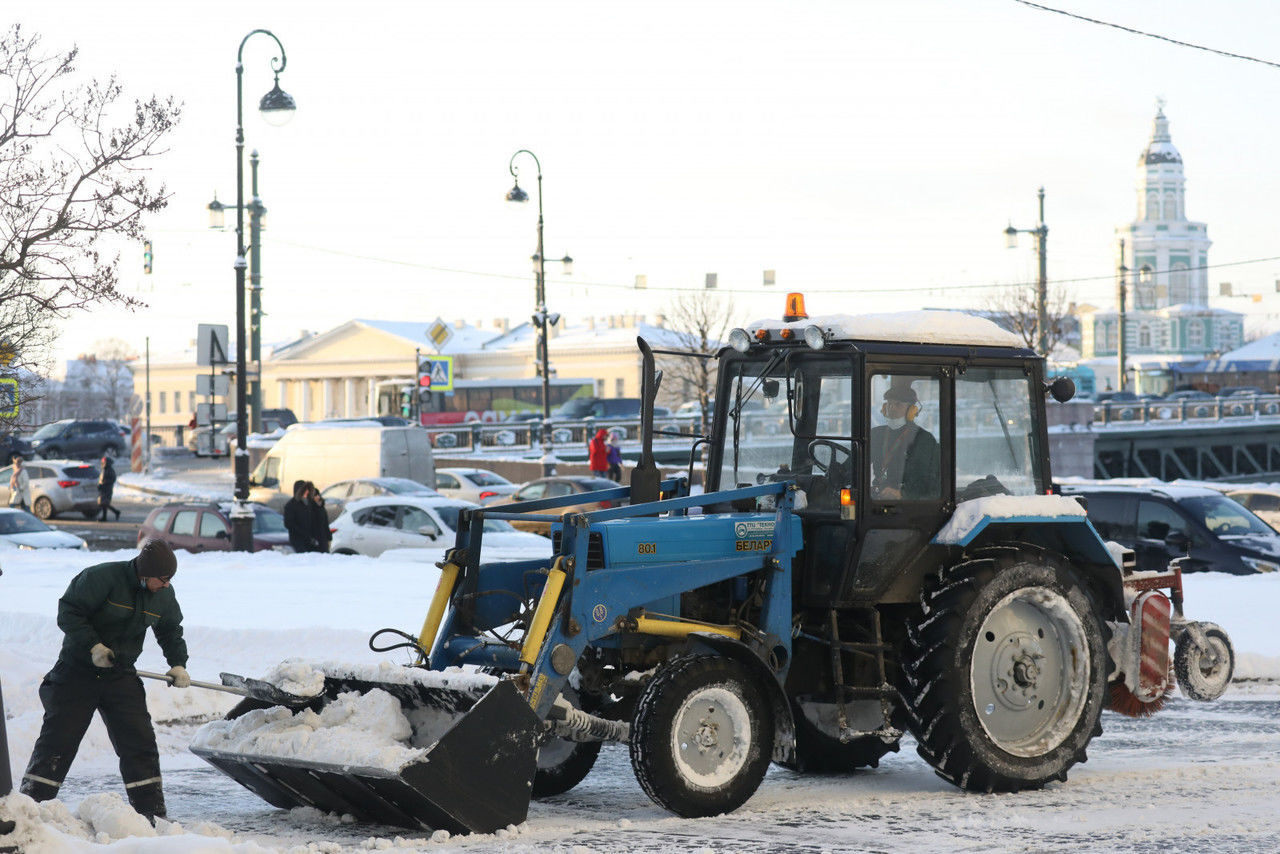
[792, 418]
[996, 445]
[902, 449]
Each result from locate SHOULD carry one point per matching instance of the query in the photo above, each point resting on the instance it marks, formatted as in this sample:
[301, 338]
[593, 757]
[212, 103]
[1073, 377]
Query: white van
[327, 453]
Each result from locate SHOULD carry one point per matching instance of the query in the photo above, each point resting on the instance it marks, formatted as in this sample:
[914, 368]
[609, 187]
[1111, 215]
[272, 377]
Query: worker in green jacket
[104, 616]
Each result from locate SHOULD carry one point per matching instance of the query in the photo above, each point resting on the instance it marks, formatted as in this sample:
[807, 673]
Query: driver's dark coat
[906, 459]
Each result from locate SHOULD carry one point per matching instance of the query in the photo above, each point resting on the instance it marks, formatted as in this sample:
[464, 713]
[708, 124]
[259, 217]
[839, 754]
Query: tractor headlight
[814, 337]
[1258, 565]
[740, 340]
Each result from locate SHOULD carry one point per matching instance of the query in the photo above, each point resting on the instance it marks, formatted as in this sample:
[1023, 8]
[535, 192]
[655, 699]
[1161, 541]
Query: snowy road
[1194, 778]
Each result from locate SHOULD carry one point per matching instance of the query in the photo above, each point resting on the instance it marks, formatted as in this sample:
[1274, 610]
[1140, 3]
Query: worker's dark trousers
[71, 694]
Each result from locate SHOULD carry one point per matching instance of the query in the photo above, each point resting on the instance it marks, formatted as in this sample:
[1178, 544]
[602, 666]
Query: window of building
[1144, 335]
[1179, 281]
[618, 389]
[162, 402]
[1153, 206]
[1170, 206]
[191, 401]
[1195, 333]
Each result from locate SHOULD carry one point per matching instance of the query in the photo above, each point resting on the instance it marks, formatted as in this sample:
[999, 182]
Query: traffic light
[406, 403]
[146, 257]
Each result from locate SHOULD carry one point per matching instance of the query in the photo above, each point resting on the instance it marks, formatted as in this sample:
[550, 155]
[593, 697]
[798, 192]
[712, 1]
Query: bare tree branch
[74, 158]
[699, 321]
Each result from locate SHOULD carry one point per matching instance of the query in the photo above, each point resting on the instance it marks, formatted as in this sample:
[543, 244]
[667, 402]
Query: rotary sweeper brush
[878, 548]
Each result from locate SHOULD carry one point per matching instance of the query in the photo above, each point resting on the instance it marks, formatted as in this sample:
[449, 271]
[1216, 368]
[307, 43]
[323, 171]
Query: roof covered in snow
[913, 327]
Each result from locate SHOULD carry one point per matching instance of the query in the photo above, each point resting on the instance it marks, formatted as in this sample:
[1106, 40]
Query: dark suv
[78, 439]
[11, 445]
[1163, 522]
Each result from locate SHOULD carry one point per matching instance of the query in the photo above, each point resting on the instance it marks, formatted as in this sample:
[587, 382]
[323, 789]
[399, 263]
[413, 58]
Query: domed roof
[1160, 149]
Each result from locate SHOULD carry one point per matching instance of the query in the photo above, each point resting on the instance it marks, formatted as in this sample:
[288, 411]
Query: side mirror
[1178, 541]
[769, 389]
[221, 535]
[1062, 389]
[429, 531]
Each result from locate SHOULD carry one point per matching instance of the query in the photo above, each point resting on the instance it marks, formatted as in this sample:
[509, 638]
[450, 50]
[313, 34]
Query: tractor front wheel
[1005, 672]
[702, 736]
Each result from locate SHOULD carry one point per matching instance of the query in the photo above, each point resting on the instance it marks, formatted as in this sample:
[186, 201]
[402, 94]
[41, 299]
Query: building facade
[1164, 260]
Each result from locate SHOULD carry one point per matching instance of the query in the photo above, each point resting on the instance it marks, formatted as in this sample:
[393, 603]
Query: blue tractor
[878, 549]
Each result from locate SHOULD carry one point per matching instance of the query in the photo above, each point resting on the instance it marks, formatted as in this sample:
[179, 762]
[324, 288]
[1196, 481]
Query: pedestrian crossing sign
[8, 397]
[436, 373]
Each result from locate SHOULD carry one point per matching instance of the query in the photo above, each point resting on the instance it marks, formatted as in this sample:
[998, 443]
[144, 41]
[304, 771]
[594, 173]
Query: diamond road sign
[436, 372]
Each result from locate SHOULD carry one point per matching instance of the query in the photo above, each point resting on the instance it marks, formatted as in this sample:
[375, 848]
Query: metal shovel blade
[259, 689]
[476, 777]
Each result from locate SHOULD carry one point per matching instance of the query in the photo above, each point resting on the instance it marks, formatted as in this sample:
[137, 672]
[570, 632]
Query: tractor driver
[905, 462]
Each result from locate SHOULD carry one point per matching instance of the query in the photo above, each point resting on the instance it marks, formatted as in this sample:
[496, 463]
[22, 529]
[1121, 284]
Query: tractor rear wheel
[702, 736]
[1005, 671]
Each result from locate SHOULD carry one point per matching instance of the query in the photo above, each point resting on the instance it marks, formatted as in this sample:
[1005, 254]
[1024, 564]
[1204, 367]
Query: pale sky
[871, 153]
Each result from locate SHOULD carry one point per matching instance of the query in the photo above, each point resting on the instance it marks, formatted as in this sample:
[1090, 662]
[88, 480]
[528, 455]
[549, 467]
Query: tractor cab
[884, 423]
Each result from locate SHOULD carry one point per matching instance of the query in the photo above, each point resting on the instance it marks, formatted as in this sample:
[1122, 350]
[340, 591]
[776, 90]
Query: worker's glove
[181, 678]
[102, 656]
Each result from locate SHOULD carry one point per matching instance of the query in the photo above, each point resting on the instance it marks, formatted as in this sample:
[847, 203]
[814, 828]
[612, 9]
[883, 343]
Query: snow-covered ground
[1196, 777]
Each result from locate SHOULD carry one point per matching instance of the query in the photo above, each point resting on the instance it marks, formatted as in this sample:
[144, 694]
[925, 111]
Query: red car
[205, 526]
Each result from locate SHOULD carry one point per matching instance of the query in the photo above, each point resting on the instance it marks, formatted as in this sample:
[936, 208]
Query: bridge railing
[1127, 413]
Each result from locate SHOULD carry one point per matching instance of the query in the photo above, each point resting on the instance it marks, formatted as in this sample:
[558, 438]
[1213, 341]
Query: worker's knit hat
[156, 560]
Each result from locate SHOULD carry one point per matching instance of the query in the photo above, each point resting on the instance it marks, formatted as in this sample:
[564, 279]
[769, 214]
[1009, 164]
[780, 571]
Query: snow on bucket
[452, 750]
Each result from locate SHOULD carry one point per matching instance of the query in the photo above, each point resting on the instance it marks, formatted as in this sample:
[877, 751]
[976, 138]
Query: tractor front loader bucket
[473, 772]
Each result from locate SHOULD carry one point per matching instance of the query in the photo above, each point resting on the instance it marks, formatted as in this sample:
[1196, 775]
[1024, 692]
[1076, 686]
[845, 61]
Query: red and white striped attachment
[1150, 616]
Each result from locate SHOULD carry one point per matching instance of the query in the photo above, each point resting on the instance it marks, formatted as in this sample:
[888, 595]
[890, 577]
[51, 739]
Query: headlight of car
[27, 548]
[1260, 565]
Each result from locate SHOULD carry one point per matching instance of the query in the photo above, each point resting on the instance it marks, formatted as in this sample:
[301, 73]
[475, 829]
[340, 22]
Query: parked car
[1240, 390]
[199, 526]
[57, 486]
[20, 530]
[554, 487]
[1189, 394]
[210, 442]
[384, 420]
[1116, 397]
[479, 485]
[338, 494]
[1163, 522]
[371, 526]
[78, 439]
[1262, 501]
[11, 444]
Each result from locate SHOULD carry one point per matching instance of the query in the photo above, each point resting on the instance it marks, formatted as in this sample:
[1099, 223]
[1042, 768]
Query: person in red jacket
[598, 454]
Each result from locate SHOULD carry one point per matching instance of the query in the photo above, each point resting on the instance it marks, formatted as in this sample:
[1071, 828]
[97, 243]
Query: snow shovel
[243, 686]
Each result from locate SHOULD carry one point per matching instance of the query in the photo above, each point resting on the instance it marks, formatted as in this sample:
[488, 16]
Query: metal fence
[1192, 411]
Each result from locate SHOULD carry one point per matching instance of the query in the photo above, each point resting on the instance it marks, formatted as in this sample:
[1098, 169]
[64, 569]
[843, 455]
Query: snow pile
[456, 678]
[970, 514]
[103, 820]
[357, 730]
[296, 677]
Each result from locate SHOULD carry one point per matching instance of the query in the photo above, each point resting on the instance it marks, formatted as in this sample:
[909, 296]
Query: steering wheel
[837, 450]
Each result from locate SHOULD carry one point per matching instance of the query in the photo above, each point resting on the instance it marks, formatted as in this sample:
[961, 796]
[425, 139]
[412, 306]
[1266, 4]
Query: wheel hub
[712, 736]
[1029, 670]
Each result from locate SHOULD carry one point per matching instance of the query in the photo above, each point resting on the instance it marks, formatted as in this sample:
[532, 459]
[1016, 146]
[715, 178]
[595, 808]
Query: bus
[490, 401]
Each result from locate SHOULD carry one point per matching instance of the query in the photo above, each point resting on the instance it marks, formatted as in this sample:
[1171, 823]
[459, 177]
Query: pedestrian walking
[598, 455]
[106, 486]
[297, 519]
[614, 452]
[104, 615]
[319, 518]
[19, 485]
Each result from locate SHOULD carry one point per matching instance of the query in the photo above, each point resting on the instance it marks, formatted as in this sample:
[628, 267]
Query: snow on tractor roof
[914, 327]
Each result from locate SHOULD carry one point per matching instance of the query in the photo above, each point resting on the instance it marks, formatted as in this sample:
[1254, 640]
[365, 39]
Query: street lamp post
[1041, 233]
[541, 318]
[257, 222]
[276, 107]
